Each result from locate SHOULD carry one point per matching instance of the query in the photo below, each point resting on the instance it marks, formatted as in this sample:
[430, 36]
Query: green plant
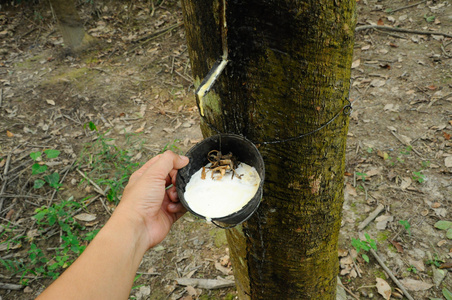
[40, 167]
[445, 225]
[412, 269]
[369, 150]
[110, 165]
[74, 240]
[429, 19]
[447, 294]
[436, 261]
[364, 245]
[425, 164]
[419, 177]
[362, 175]
[406, 225]
[171, 146]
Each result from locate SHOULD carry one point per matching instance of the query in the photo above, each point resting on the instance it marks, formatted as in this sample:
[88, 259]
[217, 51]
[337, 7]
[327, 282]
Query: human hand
[147, 200]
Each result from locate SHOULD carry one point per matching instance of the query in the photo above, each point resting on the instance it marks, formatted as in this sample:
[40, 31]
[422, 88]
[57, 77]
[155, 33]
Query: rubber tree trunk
[288, 73]
[70, 24]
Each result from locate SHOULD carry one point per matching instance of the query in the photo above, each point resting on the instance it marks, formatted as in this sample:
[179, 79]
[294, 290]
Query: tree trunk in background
[288, 74]
[71, 25]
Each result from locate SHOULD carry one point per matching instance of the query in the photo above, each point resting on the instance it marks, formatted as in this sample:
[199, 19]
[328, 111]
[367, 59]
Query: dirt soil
[135, 85]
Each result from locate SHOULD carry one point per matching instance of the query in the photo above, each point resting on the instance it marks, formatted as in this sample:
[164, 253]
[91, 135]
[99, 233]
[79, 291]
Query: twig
[5, 179]
[61, 181]
[408, 6]
[387, 28]
[145, 273]
[371, 217]
[96, 187]
[1, 97]
[348, 291]
[354, 264]
[437, 99]
[396, 281]
[105, 206]
[69, 118]
[185, 77]
[10, 286]
[90, 201]
[393, 34]
[405, 143]
[442, 49]
[21, 196]
[155, 35]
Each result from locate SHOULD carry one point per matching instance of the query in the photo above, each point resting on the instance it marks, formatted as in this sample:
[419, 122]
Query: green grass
[49, 263]
[109, 165]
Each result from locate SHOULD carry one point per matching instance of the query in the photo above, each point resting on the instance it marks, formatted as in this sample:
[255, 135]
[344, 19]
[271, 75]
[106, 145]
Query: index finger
[137, 174]
[167, 162]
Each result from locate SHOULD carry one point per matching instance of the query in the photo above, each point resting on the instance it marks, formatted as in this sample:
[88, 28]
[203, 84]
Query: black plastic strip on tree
[208, 82]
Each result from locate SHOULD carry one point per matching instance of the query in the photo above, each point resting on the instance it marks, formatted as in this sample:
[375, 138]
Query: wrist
[126, 221]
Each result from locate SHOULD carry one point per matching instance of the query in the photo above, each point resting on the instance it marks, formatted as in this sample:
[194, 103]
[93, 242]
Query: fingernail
[183, 157]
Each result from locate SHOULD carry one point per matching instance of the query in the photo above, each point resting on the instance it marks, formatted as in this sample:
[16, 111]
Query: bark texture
[288, 73]
[70, 24]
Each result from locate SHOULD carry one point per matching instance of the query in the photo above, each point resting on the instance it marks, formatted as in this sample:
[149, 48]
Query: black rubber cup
[244, 150]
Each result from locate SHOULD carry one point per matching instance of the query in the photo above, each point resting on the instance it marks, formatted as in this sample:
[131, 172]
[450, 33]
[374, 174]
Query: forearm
[107, 267]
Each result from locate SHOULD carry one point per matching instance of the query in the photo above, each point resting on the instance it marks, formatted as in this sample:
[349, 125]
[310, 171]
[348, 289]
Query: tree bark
[288, 73]
[70, 24]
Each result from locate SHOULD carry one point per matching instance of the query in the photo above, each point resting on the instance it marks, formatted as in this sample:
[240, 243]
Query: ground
[129, 97]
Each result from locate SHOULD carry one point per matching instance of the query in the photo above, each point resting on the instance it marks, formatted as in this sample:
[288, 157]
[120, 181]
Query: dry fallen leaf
[383, 288]
[85, 217]
[225, 271]
[415, 285]
[446, 135]
[349, 189]
[378, 82]
[382, 221]
[441, 243]
[397, 245]
[382, 154]
[51, 102]
[9, 133]
[380, 22]
[391, 107]
[356, 63]
[418, 264]
[406, 182]
[191, 291]
[446, 266]
[448, 162]
[436, 205]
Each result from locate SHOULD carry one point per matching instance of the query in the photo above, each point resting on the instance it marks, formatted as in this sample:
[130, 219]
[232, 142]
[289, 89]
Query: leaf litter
[414, 109]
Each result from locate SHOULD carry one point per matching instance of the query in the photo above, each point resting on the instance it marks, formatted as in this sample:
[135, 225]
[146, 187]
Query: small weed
[429, 19]
[40, 167]
[369, 150]
[435, 261]
[171, 146]
[406, 225]
[425, 164]
[362, 175]
[407, 150]
[39, 263]
[109, 164]
[412, 269]
[419, 177]
[364, 245]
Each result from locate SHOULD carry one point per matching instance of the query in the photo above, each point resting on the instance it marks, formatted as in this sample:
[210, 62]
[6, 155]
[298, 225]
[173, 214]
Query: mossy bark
[288, 73]
[71, 25]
